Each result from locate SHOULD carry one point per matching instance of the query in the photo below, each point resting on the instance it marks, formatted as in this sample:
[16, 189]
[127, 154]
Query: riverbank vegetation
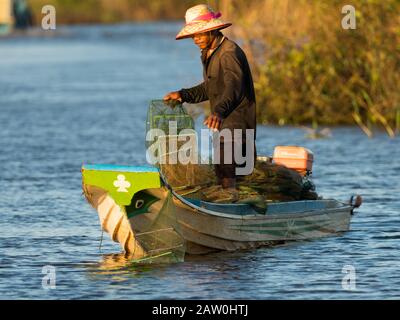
[307, 68]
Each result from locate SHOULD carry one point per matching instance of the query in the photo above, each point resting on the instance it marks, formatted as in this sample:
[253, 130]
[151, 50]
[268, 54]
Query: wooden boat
[129, 201]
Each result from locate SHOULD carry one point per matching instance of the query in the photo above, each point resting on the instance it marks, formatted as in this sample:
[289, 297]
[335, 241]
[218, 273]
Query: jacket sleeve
[233, 78]
[195, 94]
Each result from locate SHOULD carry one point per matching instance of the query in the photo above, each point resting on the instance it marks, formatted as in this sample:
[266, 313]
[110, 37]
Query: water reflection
[122, 266]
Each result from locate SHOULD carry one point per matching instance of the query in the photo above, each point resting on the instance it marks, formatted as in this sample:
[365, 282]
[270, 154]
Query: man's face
[202, 40]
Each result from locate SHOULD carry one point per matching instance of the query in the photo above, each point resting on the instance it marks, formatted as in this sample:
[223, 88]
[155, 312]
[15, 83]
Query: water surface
[81, 96]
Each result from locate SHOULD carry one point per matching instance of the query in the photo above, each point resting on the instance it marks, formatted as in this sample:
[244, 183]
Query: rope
[101, 239]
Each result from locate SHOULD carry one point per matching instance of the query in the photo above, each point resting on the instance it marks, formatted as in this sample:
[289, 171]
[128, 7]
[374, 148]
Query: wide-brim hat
[201, 18]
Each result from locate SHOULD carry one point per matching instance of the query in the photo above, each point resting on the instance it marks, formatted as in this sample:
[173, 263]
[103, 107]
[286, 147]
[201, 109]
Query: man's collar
[207, 53]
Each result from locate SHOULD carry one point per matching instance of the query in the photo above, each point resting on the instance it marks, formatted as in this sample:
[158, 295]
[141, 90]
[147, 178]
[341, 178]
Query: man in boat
[22, 14]
[228, 85]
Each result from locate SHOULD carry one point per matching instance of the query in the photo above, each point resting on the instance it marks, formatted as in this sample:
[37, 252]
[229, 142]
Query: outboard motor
[296, 158]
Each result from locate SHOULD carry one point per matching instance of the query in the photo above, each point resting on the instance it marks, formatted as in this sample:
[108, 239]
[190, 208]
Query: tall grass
[308, 69]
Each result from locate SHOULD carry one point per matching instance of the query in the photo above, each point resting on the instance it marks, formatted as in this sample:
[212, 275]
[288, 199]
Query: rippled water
[81, 96]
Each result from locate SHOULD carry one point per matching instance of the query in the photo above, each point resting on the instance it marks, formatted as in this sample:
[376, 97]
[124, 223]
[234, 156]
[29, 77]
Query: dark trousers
[223, 170]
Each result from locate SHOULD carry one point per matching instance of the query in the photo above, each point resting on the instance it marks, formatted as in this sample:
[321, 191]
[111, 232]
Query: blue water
[80, 96]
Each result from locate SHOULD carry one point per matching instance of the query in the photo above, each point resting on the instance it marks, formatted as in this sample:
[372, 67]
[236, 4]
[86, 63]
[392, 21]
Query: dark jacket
[228, 85]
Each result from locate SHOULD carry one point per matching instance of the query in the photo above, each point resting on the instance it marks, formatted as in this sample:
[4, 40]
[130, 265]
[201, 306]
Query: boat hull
[206, 230]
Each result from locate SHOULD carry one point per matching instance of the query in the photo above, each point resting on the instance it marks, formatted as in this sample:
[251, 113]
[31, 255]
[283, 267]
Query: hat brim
[189, 30]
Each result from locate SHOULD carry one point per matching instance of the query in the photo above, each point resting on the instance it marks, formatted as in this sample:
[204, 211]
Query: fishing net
[172, 146]
[158, 232]
[161, 237]
[269, 182]
[166, 116]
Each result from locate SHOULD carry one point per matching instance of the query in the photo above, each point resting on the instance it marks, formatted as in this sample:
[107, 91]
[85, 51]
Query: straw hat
[201, 18]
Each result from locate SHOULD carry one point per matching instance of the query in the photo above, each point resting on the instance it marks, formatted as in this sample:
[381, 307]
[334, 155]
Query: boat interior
[272, 208]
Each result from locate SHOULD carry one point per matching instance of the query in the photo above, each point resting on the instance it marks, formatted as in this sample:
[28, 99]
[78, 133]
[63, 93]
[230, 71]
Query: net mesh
[269, 182]
[160, 234]
[161, 113]
[174, 150]
[161, 238]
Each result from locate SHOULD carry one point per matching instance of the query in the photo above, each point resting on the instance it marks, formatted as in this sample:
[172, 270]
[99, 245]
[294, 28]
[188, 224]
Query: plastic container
[293, 157]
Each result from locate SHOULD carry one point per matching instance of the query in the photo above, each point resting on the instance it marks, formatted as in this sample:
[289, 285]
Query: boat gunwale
[298, 214]
[266, 216]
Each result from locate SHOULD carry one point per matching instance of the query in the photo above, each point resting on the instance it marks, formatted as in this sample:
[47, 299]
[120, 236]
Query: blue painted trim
[239, 209]
[111, 167]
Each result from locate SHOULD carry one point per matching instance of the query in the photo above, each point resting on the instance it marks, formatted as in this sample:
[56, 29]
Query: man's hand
[173, 96]
[213, 122]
